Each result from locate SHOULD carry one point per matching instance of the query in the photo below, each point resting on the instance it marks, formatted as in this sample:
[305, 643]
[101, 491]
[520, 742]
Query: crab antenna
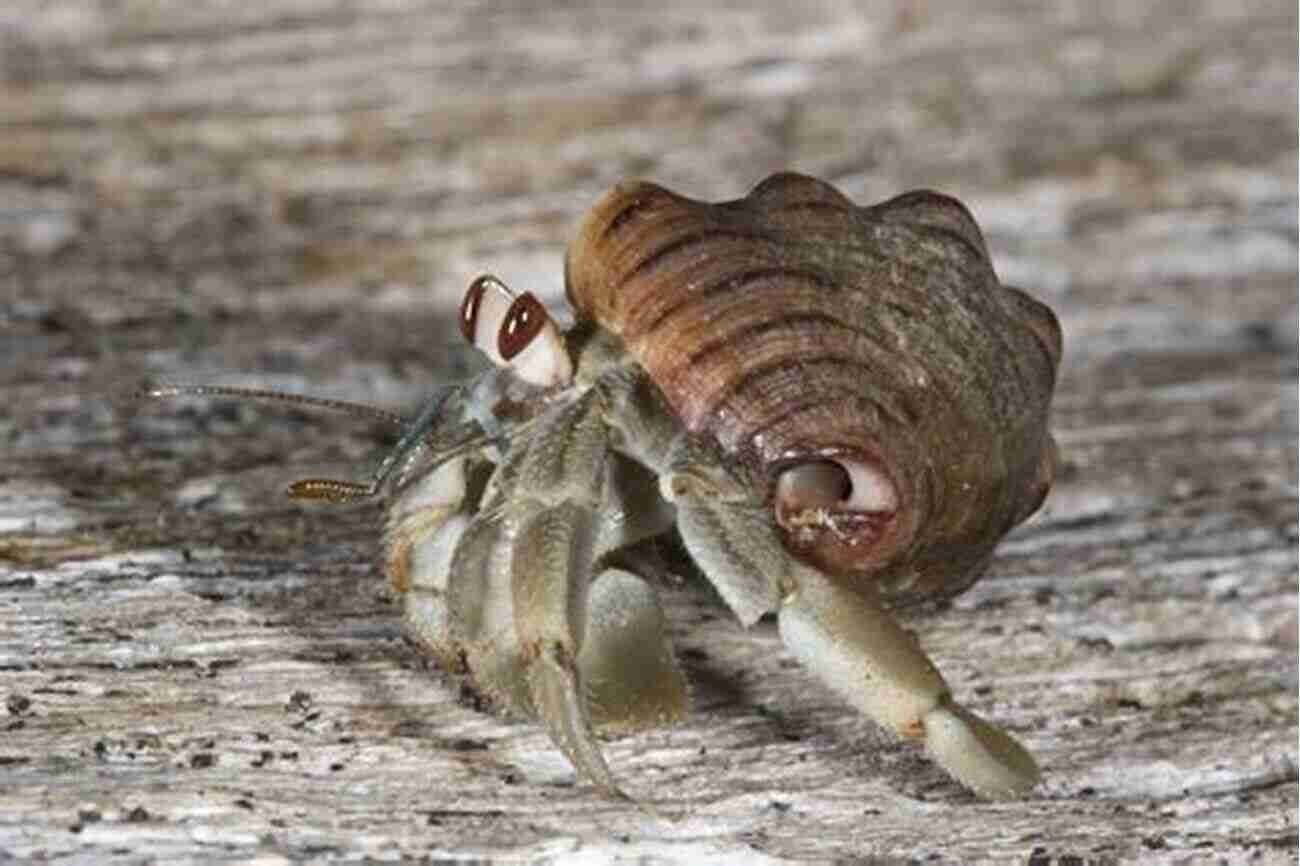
[338, 492]
[324, 489]
[349, 491]
[330, 490]
[360, 410]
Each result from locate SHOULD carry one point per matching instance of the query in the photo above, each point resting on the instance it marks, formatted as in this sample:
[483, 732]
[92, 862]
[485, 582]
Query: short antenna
[331, 490]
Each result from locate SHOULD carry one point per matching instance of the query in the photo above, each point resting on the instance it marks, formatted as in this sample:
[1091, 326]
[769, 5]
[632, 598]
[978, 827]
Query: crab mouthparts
[849, 527]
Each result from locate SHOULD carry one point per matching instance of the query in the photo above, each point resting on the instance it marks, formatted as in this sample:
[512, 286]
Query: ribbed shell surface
[793, 322]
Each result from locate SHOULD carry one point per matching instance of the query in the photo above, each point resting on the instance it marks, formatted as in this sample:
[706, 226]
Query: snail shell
[793, 326]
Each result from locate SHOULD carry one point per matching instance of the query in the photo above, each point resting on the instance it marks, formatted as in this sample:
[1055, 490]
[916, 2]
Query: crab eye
[515, 332]
[523, 322]
[836, 485]
[531, 344]
[486, 304]
[822, 483]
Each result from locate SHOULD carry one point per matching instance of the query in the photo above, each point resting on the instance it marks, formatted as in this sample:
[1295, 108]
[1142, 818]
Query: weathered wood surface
[290, 193]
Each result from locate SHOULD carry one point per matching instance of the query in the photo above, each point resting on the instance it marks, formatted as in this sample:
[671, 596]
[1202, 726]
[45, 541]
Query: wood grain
[293, 193]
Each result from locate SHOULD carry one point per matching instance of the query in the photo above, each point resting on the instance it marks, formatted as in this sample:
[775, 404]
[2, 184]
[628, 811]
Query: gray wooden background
[292, 193]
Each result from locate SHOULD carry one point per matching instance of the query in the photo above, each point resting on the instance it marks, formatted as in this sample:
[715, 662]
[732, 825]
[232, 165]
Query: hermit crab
[839, 408]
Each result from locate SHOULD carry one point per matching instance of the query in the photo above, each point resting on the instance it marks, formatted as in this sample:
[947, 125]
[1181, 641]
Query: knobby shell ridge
[792, 322]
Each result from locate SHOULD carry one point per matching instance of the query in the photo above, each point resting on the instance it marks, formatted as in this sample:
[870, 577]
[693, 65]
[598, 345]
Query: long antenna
[332, 490]
[360, 410]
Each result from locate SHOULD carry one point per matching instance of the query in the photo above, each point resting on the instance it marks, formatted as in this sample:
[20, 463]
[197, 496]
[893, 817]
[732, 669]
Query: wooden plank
[293, 193]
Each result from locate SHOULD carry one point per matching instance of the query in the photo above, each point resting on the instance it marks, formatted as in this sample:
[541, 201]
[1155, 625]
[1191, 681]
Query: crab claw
[848, 640]
[977, 754]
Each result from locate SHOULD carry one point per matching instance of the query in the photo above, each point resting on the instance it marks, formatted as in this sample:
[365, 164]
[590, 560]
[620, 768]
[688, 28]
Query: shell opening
[835, 513]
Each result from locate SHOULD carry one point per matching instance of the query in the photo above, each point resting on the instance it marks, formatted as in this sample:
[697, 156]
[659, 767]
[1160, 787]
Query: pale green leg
[843, 636]
[575, 637]
[626, 663]
[878, 667]
[590, 651]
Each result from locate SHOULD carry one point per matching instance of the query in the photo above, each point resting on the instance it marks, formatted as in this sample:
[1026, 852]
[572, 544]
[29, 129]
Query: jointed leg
[423, 531]
[587, 649]
[626, 663]
[843, 636]
[549, 577]
[591, 650]
[878, 667]
[731, 540]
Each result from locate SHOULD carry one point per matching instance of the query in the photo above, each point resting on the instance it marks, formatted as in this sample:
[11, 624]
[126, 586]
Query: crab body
[839, 408]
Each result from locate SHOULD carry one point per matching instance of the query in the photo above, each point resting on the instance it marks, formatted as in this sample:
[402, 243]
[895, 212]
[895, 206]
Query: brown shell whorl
[792, 323]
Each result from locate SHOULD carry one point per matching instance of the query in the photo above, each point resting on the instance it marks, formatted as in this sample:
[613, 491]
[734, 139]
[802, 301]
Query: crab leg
[626, 663]
[550, 573]
[730, 539]
[843, 635]
[848, 640]
[562, 477]
[502, 589]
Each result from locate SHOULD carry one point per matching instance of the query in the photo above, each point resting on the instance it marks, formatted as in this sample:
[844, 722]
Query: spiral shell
[793, 325]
